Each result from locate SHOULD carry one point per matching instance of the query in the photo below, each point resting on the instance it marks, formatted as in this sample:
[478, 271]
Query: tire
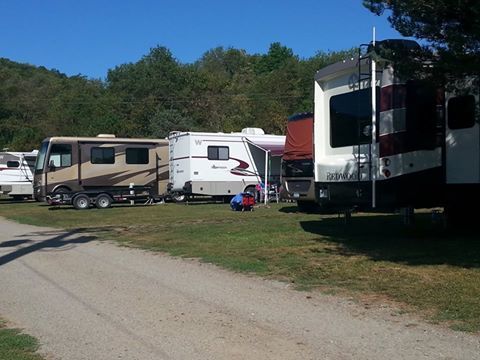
[81, 202]
[177, 197]
[252, 190]
[103, 201]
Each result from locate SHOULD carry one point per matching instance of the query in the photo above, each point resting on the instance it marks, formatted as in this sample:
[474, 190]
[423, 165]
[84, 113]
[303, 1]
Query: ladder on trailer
[366, 80]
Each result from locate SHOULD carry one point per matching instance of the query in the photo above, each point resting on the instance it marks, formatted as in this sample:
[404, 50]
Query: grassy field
[17, 346]
[422, 268]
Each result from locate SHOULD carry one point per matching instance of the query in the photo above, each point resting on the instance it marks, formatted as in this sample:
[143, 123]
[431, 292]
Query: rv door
[462, 141]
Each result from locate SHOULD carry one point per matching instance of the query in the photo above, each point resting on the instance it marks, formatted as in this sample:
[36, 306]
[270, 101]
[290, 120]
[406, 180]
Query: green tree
[277, 57]
[451, 29]
[165, 121]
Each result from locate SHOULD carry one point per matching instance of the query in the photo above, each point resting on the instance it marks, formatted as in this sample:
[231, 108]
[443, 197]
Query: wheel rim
[82, 203]
[179, 198]
[103, 202]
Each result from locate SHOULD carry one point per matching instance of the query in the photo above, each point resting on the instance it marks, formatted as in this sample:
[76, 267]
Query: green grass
[421, 268]
[17, 346]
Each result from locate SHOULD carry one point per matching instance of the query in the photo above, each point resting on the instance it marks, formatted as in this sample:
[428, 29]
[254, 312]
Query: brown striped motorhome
[400, 143]
[72, 164]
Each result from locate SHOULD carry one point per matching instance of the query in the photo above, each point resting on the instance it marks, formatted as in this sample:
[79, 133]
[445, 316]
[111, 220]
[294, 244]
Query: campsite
[262, 180]
[429, 271]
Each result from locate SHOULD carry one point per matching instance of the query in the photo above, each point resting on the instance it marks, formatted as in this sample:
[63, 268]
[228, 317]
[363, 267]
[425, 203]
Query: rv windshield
[41, 157]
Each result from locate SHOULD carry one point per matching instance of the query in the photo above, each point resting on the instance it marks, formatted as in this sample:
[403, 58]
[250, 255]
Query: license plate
[296, 195]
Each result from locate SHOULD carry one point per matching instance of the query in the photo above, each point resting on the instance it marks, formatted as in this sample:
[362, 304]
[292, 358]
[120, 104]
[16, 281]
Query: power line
[170, 99]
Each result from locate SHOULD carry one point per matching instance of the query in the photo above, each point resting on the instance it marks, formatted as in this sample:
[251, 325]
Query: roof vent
[253, 131]
[106, 135]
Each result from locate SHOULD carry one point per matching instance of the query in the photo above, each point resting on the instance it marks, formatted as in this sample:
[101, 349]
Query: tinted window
[100, 155]
[351, 118]
[218, 153]
[13, 164]
[137, 156]
[421, 114]
[60, 155]
[461, 112]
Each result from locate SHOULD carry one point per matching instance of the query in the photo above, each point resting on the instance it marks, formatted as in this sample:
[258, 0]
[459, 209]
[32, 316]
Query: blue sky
[89, 37]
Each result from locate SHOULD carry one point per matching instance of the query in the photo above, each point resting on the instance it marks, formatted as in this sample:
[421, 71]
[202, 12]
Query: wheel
[177, 197]
[81, 202]
[252, 190]
[103, 201]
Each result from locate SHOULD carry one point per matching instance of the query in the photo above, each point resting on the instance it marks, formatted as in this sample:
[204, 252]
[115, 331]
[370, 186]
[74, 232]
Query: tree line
[225, 90]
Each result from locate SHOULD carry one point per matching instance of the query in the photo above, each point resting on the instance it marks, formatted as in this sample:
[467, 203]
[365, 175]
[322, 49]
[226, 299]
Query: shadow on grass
[386, 238]
[292, 209]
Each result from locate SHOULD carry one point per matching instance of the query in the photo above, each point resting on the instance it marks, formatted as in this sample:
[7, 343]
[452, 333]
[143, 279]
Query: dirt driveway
[85, 299]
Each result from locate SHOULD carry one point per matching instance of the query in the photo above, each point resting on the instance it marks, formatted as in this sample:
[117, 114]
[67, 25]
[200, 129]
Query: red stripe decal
[393, 97]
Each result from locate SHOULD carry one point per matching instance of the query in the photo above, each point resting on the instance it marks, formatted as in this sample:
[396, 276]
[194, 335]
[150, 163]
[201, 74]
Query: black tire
[252, 190]
[178, 198]
[81, 202]
[103, 201]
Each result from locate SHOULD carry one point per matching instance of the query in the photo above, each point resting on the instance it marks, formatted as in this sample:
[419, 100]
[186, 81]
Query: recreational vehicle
[297, 161]
[16, 173]
[398, 143]
[223, 164]
[95, 164]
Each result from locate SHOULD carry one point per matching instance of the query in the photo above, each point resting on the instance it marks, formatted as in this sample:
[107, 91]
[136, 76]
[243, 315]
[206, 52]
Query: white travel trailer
[222, 164]
[412, 146]
[16, 173]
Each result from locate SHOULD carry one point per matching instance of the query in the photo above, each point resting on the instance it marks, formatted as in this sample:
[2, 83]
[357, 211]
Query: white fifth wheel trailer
[414, 145]
[16, 173]
[223, 164]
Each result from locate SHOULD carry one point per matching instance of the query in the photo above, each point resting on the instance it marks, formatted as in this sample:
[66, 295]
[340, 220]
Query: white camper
[16, 173]
[412, 146]
[223, 164]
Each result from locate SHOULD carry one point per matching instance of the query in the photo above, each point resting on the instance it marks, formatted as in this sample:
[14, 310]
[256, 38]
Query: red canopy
[299, 140]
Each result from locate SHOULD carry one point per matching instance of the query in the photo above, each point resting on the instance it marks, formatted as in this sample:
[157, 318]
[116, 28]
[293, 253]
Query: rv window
[100, 155]
[461, 112]
[13, 164]
[350, 114]
[421, 114]
[137, 156]
[218, 153]
[60, 155]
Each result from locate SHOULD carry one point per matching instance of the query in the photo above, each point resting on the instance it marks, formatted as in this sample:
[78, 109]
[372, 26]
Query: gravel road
[86, 299]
